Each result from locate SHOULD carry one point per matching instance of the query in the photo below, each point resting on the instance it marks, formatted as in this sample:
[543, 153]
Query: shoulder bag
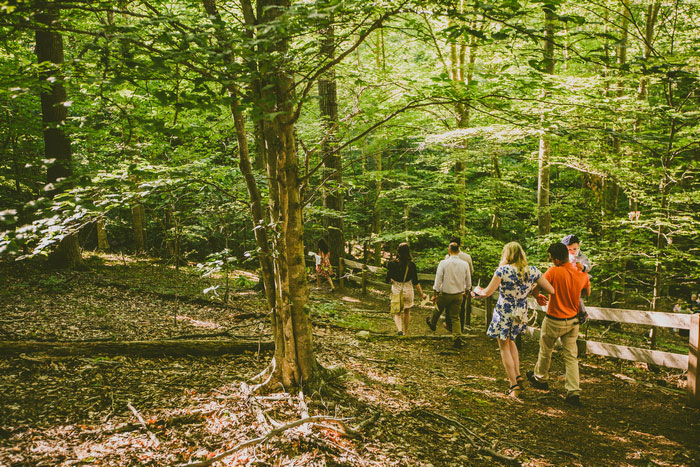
[396, 299]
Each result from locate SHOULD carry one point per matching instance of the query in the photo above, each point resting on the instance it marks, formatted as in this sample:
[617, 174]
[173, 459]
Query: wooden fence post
[340, 273]
[489, 311]
[694, 361]
[468, 317]
[364, 279]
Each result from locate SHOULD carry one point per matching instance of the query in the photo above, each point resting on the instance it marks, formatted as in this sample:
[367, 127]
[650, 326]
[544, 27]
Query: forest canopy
[176, 127]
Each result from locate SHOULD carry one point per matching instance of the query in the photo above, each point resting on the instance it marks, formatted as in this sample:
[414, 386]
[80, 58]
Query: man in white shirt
[463, 307]
[452, 280]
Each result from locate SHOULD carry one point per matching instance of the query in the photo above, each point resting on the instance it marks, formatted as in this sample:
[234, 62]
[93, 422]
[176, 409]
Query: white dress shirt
[465, 257]
[452, 276]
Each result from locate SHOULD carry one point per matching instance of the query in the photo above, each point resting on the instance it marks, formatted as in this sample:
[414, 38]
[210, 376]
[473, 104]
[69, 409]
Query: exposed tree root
[471, 436]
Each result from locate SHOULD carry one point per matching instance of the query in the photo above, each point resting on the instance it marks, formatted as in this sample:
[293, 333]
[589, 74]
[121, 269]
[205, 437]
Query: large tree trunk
[49, 51]
[257, 212]
[294, 364]
[333, 194]
[544, 215]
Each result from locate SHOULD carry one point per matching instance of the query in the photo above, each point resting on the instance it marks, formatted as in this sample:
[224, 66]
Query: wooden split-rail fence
[373, 276]
[689, 361]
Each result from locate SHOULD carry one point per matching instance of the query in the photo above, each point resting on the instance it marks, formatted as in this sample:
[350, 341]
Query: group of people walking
[562, 286]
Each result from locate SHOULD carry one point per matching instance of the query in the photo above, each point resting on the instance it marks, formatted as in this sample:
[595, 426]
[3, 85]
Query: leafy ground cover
[403, 401]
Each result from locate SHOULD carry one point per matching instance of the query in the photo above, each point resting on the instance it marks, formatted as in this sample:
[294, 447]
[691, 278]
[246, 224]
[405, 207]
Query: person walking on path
[561, 322]
[403, 276]
[323, 267]
[452, 280]
[579, 260]
[463, 307]
[514, 280]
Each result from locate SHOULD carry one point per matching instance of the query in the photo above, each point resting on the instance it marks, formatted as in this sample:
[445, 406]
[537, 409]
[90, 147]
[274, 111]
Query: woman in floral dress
[514, 280]
[323, 267]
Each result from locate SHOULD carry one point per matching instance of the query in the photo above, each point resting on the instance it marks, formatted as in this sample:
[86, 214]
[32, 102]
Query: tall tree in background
[544, 214]
[57, 146]
[332, 161]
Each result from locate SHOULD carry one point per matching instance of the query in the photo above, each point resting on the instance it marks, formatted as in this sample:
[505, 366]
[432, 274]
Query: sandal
[514, 391]
[520, 381]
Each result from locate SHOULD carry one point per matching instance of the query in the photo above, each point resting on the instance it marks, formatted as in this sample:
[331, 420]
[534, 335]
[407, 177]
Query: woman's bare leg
[398, 320]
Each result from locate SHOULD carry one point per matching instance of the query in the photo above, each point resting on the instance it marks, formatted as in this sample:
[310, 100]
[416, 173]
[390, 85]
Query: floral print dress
[324, 268]
[513, 293]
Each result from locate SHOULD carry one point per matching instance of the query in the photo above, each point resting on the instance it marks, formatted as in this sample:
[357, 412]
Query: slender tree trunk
[462, 58]
[333, 193]
[544, 215]
[138, 216]
[102, 243]
[377, 214]
[49, 51]
[456, 73]
[651, 17]
[609, 188]
[496, 224]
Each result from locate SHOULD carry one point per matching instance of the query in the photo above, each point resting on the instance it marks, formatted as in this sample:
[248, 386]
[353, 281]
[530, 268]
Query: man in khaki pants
[452, 280]
[561, 322]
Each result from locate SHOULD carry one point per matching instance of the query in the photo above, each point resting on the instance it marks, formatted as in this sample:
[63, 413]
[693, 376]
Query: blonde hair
[514, 254]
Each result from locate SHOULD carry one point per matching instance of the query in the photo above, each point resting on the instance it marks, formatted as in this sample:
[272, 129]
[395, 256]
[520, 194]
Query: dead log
[156, 348]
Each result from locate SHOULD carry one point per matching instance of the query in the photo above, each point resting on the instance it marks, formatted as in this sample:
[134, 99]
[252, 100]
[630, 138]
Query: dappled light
[424, 393]
[349, 233]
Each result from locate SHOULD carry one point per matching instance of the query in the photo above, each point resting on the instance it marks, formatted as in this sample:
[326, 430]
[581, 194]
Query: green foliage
[150, 124]
[55, 283]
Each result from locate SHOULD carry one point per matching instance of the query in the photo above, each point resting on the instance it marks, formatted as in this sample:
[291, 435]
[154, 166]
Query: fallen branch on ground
[261, 439]
[175, 348]
[153, 437]
[182, 419]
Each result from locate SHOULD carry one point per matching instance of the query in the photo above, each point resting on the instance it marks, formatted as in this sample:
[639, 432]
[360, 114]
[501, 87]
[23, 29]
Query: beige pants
[567, 331]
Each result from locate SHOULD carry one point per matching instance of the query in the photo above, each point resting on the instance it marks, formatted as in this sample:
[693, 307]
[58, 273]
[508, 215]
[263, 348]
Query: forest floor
[413, 400]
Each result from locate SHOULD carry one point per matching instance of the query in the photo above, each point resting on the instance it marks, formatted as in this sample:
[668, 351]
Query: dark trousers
[462, 316]
[449, 303]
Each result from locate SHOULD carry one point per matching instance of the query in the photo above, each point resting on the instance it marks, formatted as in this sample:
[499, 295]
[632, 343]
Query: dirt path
[424, 403]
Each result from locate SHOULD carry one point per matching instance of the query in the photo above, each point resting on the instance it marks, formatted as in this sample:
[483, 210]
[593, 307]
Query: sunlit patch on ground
[247, 274]
[198, 323]
[347, 298]
[247, 293]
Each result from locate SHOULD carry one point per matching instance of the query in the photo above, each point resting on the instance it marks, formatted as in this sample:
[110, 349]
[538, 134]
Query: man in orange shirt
[561, 322]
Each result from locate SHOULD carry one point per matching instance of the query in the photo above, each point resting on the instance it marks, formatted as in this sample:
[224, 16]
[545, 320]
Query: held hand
[579, 266]
[542, 299]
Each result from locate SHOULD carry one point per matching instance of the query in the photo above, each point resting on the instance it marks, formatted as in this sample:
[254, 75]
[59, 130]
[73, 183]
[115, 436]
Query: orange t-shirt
[568, 282]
